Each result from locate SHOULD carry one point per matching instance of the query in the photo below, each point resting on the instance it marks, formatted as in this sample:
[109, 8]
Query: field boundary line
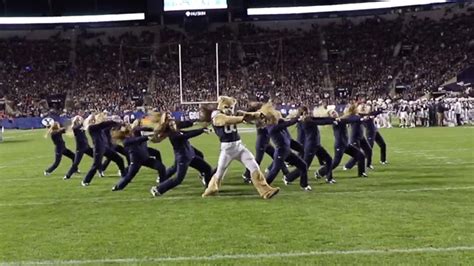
[251, 256]
[196, 196]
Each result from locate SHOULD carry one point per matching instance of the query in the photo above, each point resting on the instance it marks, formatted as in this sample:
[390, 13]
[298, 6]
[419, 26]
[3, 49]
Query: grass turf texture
[423, 199]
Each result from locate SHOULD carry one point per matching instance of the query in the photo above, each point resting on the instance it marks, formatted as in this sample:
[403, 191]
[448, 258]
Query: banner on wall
[42, 122]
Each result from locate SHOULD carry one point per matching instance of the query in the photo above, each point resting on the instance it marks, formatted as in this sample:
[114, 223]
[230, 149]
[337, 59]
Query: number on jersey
[229, 129]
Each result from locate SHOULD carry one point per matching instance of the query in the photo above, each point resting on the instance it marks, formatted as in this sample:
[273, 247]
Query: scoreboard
[288, 3]
[181, 5]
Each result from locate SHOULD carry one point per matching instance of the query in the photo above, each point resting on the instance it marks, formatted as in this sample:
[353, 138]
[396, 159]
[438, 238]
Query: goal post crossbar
[204, 102]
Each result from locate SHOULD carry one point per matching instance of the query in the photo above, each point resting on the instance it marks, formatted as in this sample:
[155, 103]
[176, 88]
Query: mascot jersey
[227, 133]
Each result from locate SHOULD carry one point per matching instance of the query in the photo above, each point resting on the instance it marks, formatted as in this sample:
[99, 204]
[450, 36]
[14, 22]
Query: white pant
[235, 151]
[403, 115]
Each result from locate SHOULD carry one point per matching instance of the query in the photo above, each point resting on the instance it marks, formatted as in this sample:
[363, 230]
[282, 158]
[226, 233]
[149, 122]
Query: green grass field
[419, 209]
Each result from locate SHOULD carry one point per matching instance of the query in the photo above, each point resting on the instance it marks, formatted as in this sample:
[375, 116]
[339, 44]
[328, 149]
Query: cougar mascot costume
[225, 125]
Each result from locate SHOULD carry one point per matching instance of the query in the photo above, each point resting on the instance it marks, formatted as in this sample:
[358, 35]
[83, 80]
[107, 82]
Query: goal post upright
[180, 75]
[217, 70]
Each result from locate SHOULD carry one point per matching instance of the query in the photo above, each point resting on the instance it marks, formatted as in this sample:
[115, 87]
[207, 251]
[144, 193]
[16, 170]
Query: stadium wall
[36, 122]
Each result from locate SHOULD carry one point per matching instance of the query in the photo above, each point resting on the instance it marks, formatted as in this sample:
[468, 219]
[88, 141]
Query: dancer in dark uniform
[137, 148]
[96, 126]
[357, 140]
[341, 142]
[312, 146]
[185, 155]
[82, 145]
[279, 135]
[60, 149]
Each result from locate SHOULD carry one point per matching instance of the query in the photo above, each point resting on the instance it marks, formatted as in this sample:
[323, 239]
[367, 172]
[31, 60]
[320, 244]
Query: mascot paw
[270, 193]
[209, 192]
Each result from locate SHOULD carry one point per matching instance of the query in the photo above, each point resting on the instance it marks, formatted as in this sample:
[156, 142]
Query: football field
[418, 209]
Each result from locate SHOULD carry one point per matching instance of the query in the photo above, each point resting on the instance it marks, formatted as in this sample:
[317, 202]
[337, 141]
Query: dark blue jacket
[181, 145]
[280, 135]
[300, 137]
[356, 132]
[311, 131]
[369, 124]
[98, 136]
[108, 136]
[184, 124]
[263, 138]
[340, 130]
[57, 138]
[137, 148]
[80, 137]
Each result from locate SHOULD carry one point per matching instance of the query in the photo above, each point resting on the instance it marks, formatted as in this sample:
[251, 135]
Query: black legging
[172, 170]
[383, 147]
[351, 151]
[322, 155]
[58, 154]
[97, 164]
[119, 149]
[298, 147]
[77, 160]
[182, 165]
[135, 166]
[270, 150]
[364, 147]
[285, 155]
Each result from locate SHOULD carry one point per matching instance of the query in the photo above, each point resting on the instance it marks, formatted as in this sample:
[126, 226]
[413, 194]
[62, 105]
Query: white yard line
[197, 195]
[250, 256]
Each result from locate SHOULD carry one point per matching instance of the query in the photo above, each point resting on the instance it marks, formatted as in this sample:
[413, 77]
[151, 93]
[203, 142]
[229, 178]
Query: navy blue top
[57, 137]
[184, 124]
[137, 148]
[370, 128]
[340, 130]
[80, 137]
[98, 136]
[369, 124]
[311, 130]
[300, 137]
[108, 136]
[263, 138]
[181, 146]
[356, 132]
[279, 133]
[227, 133]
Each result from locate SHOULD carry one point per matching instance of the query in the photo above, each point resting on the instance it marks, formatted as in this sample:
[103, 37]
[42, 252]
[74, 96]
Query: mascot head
[226, 104]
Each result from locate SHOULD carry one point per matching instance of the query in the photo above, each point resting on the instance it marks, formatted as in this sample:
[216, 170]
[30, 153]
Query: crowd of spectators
[291, 66]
